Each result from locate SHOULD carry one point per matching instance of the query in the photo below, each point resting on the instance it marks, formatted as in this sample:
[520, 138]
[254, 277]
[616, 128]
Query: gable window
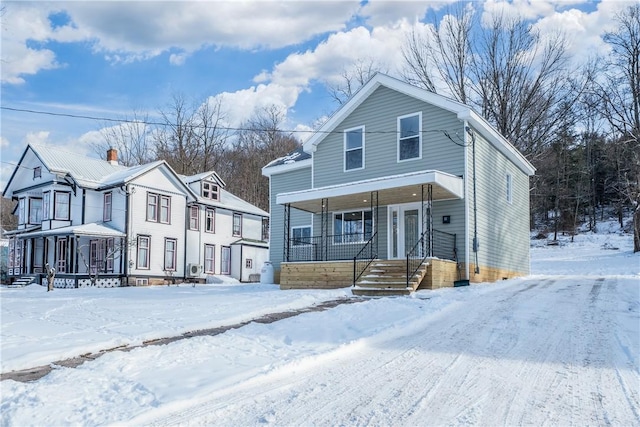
[194, 218]
[410, 137]
[301, 235]
[237, 225]
[509, 189]
[210, 190]
[170, 254]
[165, 209]
[37, 172]
[61, 205]
[265, 229]
[209, 258]
[35, 211]
[210, 220]
[351, 227]
[46, 201]
[354, 148]
[106, 207]
[21, 208]
[152, 207]
[143, 252]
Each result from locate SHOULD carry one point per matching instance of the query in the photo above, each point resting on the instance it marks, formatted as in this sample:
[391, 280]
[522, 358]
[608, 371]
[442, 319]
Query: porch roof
[395, 189]
[92, 229]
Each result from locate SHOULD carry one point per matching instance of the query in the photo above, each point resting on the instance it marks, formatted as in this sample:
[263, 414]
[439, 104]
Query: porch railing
[330, 248]
[365, 257]
[442, 245]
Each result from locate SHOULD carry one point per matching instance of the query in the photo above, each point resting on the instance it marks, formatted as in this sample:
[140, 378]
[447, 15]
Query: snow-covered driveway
[546, 350]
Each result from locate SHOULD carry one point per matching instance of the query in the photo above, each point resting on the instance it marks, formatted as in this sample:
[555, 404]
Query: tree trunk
[636, 230]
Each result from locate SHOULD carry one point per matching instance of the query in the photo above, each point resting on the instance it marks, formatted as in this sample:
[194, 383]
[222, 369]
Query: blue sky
[107, 59]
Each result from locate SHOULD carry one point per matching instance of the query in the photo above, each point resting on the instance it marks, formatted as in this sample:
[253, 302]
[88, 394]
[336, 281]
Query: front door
[405, 228]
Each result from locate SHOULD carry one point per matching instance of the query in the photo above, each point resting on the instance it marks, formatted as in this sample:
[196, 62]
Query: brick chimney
[112, 156]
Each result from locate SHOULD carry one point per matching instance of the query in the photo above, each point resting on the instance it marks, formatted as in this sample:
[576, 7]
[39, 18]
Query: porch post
[324, 229]
[427, 219]
[287, 221]
[374, 215]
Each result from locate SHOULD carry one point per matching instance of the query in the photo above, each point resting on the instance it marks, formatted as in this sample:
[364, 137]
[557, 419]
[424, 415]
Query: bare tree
[353, 78]
[211, 133]
[620, 106]
[131, 138]
[8, 221]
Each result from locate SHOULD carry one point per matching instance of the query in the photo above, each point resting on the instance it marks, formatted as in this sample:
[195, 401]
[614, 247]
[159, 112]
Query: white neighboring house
[99, 223]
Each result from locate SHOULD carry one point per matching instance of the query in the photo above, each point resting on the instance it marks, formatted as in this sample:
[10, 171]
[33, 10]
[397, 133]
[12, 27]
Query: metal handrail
[373, 254]
[437, 247]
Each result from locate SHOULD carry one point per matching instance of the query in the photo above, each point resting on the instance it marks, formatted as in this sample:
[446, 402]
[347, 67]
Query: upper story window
[165, 209]
[37, 172]
[194, 218]
[237, 225]
[158, 208]
[46, 203]
[350, 227]
[152, 207]
[21, 211]
[410, 137]
[354, 148]
[35, 211]
[210, 220]
[106, 206]
[509, 189]
[210, 190]
[265, 229]
[61, 206]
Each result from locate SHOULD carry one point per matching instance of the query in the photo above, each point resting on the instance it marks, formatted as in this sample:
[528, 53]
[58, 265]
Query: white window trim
[66, 216]
[310, 227]
[342, 242]
[148, 257]
[107, 208]
[211, 211]
[213, 259]
[344, 148]
[509, 188]
[233, 224]
[174, 258]
[419, 114]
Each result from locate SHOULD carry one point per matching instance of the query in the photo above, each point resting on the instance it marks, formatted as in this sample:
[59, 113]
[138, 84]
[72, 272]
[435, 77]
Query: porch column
[287, 222]
[374, 214]
[427, 219]
[324, 230]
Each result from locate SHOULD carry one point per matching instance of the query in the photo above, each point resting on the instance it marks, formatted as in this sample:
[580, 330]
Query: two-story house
[99, 223]
[400, 188]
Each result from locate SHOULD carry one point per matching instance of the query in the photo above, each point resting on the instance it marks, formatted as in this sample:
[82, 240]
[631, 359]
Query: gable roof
[204, 175]
[298, 158]
[464, 112]
[92, 173]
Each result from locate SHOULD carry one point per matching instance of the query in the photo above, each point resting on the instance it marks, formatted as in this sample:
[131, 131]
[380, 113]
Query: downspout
[186, 246]
[466, 202]
[84, 202]
[476, 243]
[241, 264]
[125, 257]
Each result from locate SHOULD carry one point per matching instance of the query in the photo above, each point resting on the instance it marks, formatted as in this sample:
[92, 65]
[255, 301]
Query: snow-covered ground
[560, 347]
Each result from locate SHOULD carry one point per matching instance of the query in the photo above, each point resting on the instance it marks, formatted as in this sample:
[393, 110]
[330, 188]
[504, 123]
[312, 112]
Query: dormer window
[37, 172]
[210, 190]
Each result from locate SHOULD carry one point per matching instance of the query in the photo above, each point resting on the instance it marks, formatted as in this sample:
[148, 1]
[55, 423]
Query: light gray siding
[379, 114]
[503, 227]
[299, 179]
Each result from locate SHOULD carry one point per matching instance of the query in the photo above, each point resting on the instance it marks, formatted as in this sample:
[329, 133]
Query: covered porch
[85, 255]
[355, 224]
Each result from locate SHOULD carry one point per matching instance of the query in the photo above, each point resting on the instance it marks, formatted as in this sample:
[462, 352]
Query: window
[210, 259]
[194, 218]
[410, 137]
[110, 254]
[210, 190]
[210, 220]
[225, 264]
[237, 225]
[143, 251]
[38, 253]
[509, 189]
[165, 209]
[354, 148]
[21, 208]
[61, 255]
[152, 207]
[106, 207]
[265, 229]
[170, 254]
[37, 172]
[350, 227]
[96, 256]
[301, 235]
[61, 205]
[46, 202]
[35, 211]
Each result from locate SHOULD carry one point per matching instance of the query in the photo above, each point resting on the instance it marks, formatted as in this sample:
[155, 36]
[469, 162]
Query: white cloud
[39, 137]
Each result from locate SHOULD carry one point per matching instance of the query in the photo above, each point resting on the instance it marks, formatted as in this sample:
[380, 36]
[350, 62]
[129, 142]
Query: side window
[46, 201]
[35, 211]
[21, 218]
[354, 148]
[194, 218]
[237, 225]
[210, 220]
[61, 205]
[106, 208]
[410, 137]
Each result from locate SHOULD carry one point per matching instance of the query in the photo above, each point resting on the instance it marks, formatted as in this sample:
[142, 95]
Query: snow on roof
[128, 174]
[295, 156]
[201, 176]
[91, 229]
[232, 202]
